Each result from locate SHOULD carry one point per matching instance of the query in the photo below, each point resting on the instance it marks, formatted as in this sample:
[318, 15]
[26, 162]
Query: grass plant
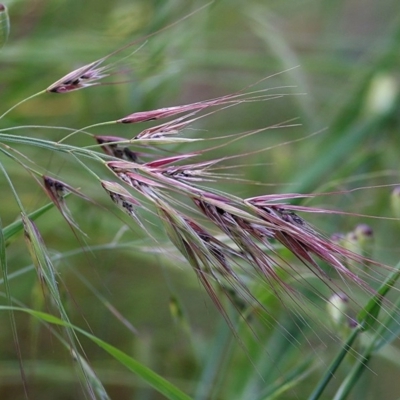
[171, 231]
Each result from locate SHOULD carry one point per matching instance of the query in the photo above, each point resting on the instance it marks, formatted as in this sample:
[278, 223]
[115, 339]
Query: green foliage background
[344, 88]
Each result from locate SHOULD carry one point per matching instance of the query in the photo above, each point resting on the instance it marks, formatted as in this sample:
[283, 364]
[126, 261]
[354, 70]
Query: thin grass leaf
[367, 317]
[380, 337]
[290, 380]
[154, 380]
[4, 268]
[219, 351]
[331, 370]
[392, 331]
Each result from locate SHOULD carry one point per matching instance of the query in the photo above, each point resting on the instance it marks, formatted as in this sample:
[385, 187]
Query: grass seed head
[170, 128]
[83, 77]
[152, 115]
[166, 112]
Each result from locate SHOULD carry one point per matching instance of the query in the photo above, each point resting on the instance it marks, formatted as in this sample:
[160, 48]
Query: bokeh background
[337, 64]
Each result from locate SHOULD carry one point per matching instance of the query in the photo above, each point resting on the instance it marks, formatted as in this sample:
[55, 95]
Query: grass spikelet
[8, 294]
[152, 115]
[241, 231]
[196, 172]
[143, 185]
[303, 241]
[109, 145]
[167, 129]
[166, 112]
[90, 74]
[123, 199]
[57, 191]
[83, 77]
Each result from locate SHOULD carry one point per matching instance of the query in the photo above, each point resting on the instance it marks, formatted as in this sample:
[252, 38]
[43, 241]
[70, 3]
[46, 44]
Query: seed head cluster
[221, 236]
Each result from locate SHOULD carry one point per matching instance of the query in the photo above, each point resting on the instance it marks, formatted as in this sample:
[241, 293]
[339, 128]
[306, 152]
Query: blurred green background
[338, 62]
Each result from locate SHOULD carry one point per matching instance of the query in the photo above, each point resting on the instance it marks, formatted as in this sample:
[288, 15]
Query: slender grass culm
[165, 231]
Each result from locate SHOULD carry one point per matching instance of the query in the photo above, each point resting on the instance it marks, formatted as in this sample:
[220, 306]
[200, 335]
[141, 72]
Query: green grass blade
[367, 317]
[386, 332]
[154, 380]
[289, 380]
[392, 331]
[220, 350]
[3, 265]
[329, 374]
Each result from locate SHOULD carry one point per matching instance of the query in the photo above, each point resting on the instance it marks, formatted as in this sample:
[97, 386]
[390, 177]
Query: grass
[100, 298]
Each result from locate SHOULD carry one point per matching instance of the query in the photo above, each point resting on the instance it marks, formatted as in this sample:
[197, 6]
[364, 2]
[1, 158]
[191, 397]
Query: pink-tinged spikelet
[123, 199]
[83, 77]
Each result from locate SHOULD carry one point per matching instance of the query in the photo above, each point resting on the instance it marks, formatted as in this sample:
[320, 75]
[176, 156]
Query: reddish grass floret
[83, 77]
